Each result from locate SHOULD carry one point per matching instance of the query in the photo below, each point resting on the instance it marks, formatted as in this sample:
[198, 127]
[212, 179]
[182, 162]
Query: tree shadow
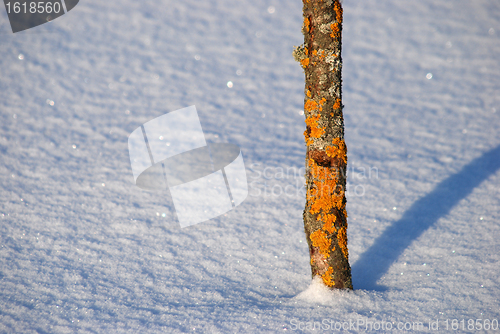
[424, 213]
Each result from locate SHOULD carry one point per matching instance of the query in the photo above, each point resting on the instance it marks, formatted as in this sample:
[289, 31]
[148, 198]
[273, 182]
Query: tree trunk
[325, 217]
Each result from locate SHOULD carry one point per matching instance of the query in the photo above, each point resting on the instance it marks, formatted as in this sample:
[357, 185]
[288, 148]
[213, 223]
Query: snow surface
[84, 250]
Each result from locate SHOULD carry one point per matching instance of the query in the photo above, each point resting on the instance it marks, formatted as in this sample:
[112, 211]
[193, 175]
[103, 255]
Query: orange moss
[320, 239]
[327, 277]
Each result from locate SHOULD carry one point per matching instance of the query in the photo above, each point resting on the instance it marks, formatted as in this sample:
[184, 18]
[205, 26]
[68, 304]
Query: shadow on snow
[423, 214]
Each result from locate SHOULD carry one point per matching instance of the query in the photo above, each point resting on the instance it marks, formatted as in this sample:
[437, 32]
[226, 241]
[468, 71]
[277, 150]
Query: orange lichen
[338, 150]
[305, 62]
[323, 199]
[309, 141]
[338, 17]
[338, 12]
[320, 239]
[310, 105]
[342, 241]
[312, 121]
[322, 173]
[327, 277]
[338, 104]
[329, 221]
[326, 160]
[326, 197]
[306, 24]
[315, 130]
[335, 30]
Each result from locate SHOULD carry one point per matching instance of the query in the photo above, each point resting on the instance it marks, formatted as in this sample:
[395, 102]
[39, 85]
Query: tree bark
[325, 217]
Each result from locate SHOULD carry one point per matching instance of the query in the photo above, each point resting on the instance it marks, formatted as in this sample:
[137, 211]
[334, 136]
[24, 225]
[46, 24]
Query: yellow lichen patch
[308, 93]
[310, 105]
[320, 239]
[322, 54]
[338, 150]
[325, 200]
[341, 144]
[322, 101]
[306, 24]
[327, 277]
[309, 141]
[338, 104]
[324, 197]
[322, 173]
[320, 201]
[335, 30]
[312, 167]
[316, 131]
[338, 201]
[304, 62]
[338, 12]
[342, 241]
[329, 221]
[312, 121]
[315, 53]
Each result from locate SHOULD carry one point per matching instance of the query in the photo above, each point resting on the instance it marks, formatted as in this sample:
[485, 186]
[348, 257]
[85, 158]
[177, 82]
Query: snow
[85, 250]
